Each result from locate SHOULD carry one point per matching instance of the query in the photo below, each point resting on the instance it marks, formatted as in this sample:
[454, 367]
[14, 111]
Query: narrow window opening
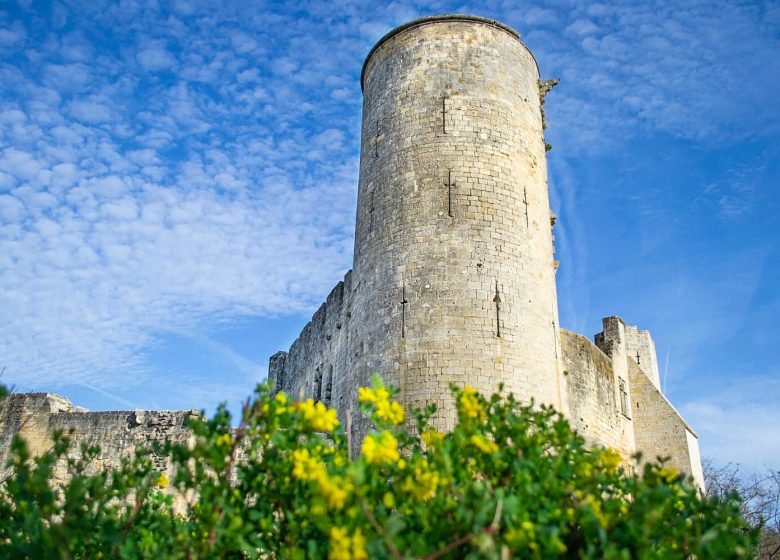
[624, 408]
[403, 310]
[449, 184]
[318, 384]
[497, 301]
[329, 387]
[525, 201]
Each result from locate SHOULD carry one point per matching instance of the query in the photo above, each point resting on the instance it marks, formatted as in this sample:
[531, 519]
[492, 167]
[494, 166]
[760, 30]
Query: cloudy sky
[178, 183]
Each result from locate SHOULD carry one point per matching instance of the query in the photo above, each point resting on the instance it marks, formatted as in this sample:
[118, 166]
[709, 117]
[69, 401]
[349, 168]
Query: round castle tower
[453, 277]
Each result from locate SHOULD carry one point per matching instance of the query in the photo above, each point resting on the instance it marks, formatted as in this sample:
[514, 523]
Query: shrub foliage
[509, 481]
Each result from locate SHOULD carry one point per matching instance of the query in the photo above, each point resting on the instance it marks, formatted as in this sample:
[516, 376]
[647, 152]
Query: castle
[453, 279]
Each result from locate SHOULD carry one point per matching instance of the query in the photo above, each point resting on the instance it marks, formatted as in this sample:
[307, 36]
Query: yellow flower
[318, 416]
[162, 481]
[483, 444]
[366, 394]
[424, 483]
[470, 405]
[344, 547]
[281, 403]
[595, 508]
[668, 474]
[388, 500]
[432, 438]
[380, 449]
[390, 411]
[610, 460]
[309, 468]
[524, 535]
[340, 544]
[306, 467]
[223, 440]
[358, 546]
[335, 490]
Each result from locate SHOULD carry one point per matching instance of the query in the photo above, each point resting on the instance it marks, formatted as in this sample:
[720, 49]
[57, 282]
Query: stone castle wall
[453, 275]
[453, 216]
[315, 364]
[594, 395]
[36, 416]
[661, 432]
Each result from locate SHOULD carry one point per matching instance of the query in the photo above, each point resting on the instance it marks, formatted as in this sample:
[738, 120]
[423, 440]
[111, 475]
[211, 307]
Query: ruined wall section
[317, 363]
[612, 341]
[594, 395]
[660, 430]
[119, 433]
[36, 416]
[28, 414]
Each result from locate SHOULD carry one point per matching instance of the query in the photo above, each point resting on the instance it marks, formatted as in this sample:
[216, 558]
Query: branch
[240, 432]
[489, 530]
[394, 552]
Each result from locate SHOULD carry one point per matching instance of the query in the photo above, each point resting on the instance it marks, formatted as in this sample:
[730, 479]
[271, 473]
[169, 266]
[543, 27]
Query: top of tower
[434, 19]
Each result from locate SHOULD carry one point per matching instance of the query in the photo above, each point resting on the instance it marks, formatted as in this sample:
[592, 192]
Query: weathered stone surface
[36, 416]
[596, 404]
[453, 277]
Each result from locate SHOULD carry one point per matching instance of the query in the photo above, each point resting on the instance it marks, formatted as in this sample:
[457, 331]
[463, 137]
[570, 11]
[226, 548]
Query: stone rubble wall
[36, 416]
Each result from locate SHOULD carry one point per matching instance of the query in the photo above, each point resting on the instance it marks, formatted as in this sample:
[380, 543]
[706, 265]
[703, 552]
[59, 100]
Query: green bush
[510, 481]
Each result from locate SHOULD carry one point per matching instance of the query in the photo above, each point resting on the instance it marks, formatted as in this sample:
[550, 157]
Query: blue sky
[178, 183]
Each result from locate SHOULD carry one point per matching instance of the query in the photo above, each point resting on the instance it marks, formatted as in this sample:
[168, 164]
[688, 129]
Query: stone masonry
[453, 279]
[36, 416]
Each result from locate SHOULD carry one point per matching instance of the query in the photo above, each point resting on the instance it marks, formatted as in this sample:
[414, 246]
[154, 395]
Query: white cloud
[582, 27]
[154, 57]
[741, 424]
[90, 111]
[11, 209]
[11, 37]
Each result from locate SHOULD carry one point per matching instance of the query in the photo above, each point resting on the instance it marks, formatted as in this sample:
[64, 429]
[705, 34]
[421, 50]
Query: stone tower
[453, 274]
